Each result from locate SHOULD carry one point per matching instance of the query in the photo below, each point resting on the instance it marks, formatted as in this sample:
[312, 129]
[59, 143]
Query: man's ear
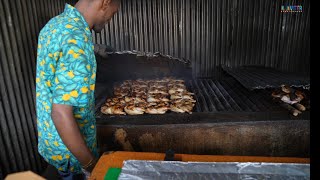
[105, 4]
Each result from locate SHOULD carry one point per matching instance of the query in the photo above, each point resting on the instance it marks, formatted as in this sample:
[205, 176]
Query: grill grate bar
[225, 98]
[237, 97]
[267, 100]
[200, 97]
[245, 95]
[211, 97]
[259, 99]
[253, 97]
[216, 97]
[193, 89]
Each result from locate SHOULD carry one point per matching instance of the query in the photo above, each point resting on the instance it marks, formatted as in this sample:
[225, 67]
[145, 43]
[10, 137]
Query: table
[114, 159]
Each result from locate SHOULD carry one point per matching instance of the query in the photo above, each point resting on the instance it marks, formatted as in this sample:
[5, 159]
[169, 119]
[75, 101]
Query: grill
[228, 117]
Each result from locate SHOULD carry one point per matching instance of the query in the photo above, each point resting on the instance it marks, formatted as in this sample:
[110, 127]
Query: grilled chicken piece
[182, 107]
[139, 89]
[290, 98]
[154, 108]
[300, 95]
[115, 101]
[158, 87]
[113, 110]
[286, 98]
[293, 110]
[157, 98]
[134, 100]
[183, 95]
[157, 84]
[134, 109]
[287, 89]
[162, 88]
[120, 93]
[142, 95]
[157, 91]
[178, 85]
[299, 106]
[278, 94]
[176, 90]
[176, 101]
[149, 96]
[121, 90]
[174, 108]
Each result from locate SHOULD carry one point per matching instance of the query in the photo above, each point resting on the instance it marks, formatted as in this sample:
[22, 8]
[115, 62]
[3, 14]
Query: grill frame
[233, 120]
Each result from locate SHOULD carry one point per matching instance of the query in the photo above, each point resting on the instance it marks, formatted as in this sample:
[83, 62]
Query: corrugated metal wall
[213, 33]
[20, 22]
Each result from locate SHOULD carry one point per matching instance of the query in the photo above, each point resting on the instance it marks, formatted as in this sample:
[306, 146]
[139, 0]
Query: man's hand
[91, 167]
[67, 127]
[88, 171]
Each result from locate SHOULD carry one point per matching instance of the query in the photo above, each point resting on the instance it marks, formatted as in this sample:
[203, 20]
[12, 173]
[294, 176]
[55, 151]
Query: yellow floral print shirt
[66, 74]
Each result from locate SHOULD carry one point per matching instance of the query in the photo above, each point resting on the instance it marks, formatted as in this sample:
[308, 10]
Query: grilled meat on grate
[155, 96]
[157, 108]
[290, 99]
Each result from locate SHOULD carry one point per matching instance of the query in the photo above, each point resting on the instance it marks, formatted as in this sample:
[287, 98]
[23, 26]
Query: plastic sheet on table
[138, 169]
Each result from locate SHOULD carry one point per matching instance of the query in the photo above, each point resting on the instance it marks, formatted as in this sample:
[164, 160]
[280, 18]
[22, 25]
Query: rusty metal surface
[200, 117]
[283, 138]
[253, 77]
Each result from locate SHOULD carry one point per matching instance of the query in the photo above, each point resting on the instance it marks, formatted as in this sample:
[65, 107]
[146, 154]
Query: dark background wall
[208, 33]
[21, 22]
[211, 33]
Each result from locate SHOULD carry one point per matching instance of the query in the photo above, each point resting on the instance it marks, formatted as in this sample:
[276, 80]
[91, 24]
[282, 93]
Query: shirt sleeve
[72, 75]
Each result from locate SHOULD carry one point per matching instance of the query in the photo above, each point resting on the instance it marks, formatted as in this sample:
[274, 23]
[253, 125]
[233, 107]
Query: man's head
[105, 12]
[98, 12]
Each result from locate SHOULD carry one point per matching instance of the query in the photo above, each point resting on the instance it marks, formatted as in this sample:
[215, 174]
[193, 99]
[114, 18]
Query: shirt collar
[74, 13]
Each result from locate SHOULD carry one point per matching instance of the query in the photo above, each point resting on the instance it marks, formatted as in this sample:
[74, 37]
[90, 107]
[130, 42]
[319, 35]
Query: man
[65, 82]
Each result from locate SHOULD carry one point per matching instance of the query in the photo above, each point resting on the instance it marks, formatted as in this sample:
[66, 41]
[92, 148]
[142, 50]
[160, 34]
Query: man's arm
[67, 127]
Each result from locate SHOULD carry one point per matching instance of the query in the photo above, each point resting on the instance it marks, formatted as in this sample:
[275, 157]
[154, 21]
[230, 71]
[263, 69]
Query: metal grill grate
[228, 95]
[214, 96]
[261, 77]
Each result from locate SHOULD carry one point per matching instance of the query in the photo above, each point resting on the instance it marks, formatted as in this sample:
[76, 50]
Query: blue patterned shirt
[66, 74]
